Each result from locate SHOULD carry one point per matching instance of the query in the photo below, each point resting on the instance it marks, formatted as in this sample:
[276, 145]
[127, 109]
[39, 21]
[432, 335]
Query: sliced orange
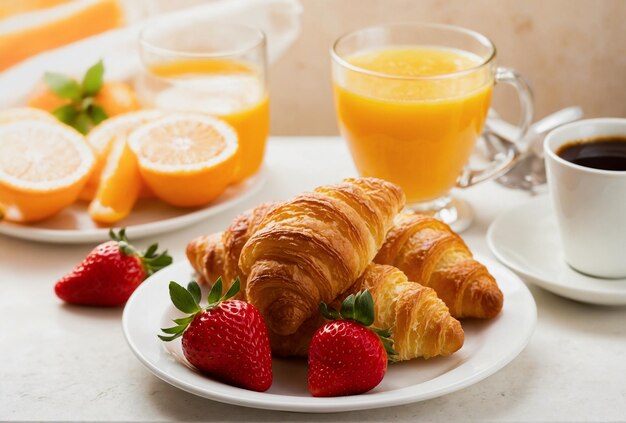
[187, 159]
[120, 183]
[43, 167]
[22, 113]
[101, 139]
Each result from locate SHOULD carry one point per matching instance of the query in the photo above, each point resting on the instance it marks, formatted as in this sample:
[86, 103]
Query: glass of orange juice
[212, 67]
[411, 101]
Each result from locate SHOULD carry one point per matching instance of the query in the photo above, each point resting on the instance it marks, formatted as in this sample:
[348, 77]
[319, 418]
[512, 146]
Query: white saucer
[526, 239]
[489, 346]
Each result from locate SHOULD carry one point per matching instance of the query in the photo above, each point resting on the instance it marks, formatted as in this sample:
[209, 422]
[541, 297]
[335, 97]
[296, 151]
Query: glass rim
[482, 39]
[260, 40]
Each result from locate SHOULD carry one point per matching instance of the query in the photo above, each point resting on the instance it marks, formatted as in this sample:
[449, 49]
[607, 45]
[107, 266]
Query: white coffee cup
[590, 204]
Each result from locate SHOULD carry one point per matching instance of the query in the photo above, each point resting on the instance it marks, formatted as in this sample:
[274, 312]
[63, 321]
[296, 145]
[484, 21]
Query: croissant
[430, 253]
[218, 254]
[421, 323]
[314, 247]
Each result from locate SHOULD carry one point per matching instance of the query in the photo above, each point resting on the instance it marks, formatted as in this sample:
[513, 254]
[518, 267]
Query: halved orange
[21, 113]
[187, 159]
[43, 167]
[102, 138]
[120, 183]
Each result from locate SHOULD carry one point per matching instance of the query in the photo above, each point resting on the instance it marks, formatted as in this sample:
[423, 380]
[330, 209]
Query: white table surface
[68, 363]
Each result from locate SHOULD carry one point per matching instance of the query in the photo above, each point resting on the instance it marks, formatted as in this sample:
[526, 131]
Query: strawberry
[227, 339]
[110, 273]
[346, 357]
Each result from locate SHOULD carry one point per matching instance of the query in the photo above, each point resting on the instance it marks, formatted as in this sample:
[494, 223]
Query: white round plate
[489, 346]
[149, 217]
[526, 239]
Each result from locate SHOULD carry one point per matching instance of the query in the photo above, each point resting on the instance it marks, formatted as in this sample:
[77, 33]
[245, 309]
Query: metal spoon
[529, 171]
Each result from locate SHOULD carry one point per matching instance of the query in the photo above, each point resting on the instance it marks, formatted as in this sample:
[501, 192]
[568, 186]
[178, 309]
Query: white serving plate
[149, 217]
[489, 346]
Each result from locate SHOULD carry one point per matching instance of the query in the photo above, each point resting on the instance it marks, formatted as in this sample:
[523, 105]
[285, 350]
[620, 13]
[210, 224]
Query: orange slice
[43, 167]
[22, 113]
[187, 159]
[120, 183]
[102, 137]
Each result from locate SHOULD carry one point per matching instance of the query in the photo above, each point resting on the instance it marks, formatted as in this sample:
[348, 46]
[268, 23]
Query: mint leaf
[183, 299]
[63, 86]
[82, 123]
[65, 114]
[97, 114]
[92, 81]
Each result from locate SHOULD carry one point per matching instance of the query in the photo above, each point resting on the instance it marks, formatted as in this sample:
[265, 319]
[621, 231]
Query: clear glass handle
[502, 162]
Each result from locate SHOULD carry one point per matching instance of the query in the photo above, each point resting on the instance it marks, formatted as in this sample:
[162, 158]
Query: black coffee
[607, 153]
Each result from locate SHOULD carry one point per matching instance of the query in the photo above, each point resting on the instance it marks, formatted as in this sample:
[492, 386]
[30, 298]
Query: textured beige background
[572, 51]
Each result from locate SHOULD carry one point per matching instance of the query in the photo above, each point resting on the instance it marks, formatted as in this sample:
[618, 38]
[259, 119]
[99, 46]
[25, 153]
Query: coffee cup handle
[505, 159]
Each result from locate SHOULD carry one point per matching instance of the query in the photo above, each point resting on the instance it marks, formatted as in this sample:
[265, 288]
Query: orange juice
[228, 89]
[406, 124]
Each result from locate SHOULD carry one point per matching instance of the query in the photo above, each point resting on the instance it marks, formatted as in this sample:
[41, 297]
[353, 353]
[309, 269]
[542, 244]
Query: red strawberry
[110, 273]
[227, 340]
[345, 357]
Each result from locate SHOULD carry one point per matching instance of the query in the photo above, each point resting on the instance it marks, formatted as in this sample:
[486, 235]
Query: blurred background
[573, 52]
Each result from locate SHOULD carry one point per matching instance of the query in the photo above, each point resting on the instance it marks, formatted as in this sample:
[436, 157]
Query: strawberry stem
[359, 308]
[188, 301]
[151, 261]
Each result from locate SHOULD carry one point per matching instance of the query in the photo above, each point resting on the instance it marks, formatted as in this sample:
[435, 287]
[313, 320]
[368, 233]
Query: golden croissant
[218, 254]
[312, 248]
[430, 253]
[421, 323]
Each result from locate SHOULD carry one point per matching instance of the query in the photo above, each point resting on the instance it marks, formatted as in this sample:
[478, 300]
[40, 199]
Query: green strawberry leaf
[169, 338]
[364, 308]
[63, 86]
[216, 292]
[233, 290]
[96, 114]
[184, 320]
[65, 114]
[347, 307]
[183, 299]
[174, 330]
[194, 289]
[92, 81]
[328, 313]
[149, 253]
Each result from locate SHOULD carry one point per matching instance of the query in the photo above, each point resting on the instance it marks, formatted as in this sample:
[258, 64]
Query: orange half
[43, 167]
[187, 159]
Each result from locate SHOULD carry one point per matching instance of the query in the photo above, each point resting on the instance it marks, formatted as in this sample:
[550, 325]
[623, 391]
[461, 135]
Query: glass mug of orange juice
[411, 100]
[210, 67]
